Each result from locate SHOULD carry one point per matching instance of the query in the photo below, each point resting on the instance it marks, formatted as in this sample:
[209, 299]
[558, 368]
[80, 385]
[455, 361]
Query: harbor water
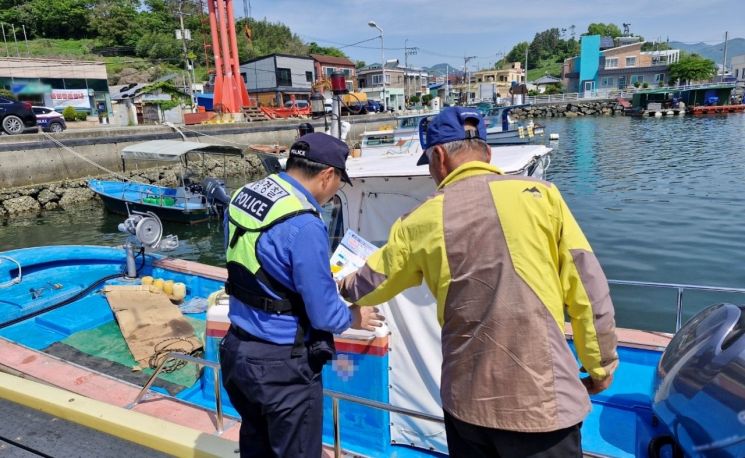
[660, 200]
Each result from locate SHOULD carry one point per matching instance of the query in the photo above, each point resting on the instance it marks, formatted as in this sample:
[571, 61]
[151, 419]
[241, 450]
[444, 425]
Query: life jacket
[253, 210]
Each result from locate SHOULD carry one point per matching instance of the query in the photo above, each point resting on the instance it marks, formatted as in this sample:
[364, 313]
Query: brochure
[350, 255]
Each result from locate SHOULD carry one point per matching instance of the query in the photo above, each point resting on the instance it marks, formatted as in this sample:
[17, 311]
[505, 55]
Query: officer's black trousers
[279, 398]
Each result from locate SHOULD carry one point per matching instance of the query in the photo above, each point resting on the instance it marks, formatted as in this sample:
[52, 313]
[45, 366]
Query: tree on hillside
[604, 30]
[49, 19]
[691, 67]
[517, 53]
[655, 46]
[115, 22]
[544, 46]
[314, 48]
[267, 38]
[359, 64]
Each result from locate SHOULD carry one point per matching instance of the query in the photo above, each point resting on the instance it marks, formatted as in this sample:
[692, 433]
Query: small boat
[500, 132]
[402, 139]
[381, 392]
[184, 204]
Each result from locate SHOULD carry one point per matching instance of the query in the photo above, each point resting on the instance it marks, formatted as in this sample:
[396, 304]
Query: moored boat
[184, 204]
[382, 392]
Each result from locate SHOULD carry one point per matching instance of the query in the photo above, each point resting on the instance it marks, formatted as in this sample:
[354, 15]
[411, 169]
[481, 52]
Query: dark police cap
[324, 149]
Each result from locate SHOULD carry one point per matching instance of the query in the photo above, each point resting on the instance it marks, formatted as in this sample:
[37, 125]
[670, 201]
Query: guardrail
[600, 94]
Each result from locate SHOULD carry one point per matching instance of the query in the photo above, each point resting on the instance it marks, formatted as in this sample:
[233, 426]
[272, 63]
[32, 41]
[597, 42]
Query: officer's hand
[366, 318]
[596, 386]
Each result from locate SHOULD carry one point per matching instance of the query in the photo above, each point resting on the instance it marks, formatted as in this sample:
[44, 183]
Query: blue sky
[447, 30]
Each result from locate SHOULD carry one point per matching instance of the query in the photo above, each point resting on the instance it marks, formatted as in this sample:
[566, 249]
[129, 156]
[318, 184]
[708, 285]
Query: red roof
[321, 58]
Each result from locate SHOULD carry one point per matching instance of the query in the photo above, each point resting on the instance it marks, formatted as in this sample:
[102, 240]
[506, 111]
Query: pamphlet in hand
[350, 255]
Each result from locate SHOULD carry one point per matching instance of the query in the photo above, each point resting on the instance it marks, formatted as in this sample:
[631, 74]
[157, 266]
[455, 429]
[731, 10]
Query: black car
[17, 117]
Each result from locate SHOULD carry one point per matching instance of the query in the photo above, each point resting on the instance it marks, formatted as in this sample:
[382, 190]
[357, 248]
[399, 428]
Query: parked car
[373, 106]
[17, 117]
[49, 120]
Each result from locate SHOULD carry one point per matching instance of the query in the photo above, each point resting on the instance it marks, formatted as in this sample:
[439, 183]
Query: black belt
[247, 336]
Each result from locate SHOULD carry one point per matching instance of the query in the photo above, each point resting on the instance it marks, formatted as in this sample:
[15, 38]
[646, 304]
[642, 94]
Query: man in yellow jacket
[505, 260]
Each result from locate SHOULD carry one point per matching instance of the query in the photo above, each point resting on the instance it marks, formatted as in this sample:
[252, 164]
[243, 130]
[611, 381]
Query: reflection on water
[659, 199]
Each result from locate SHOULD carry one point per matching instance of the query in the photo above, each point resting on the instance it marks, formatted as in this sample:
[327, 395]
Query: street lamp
[382, 61]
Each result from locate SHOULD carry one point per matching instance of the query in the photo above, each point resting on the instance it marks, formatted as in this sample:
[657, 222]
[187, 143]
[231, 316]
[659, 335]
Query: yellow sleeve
[586, 298]
[387, 272]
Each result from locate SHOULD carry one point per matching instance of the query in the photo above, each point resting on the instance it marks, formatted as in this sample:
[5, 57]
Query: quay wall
[568, 110]
[38, 173]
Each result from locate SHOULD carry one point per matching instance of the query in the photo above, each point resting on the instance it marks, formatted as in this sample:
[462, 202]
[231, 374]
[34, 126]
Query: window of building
[309, 77]
[621, 82]
[637, 79]
[659, 78]
[611, 62]
[329, 71]
[378, 79]
[608, 81]
[350, 86]
[284, 77]
[346, 72]
[737, 73]
[631, 61]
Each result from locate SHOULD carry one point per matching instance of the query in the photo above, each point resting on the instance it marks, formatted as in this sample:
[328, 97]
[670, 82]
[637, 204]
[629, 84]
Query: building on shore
[326, 65]
[57, 83]
[738, 67]
[370, 81]
[603, 66]
[274, 79]
[494, 83]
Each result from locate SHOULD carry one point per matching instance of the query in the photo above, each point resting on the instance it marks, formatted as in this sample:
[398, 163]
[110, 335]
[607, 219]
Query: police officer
[284, 303]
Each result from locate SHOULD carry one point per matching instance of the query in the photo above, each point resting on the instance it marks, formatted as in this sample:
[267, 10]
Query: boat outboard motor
[214, 190]
[700, 384]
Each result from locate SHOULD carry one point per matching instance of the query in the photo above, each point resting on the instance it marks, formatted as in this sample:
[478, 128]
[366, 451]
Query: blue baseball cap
[324, 149]
[449, 126]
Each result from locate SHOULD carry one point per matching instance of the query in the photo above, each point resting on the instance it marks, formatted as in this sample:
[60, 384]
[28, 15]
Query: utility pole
[526, 65]
[182, 34]
[466, 59]
[724, 61]
[407, 52]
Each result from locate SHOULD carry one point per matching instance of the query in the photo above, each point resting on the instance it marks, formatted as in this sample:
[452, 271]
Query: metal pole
[186, 53]
[724, 61]
[25, 40]
[406, 68]
[7, 51]
[679, 310]
[337, 427]
[382, 60]
[218, 400]
[18, 53]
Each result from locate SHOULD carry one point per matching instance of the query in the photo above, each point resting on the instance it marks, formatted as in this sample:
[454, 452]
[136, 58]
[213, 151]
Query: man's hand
[596, 386]
[366, 318]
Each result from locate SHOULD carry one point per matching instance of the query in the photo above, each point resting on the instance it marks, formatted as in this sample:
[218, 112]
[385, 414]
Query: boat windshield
[409, 122]
[331, 215]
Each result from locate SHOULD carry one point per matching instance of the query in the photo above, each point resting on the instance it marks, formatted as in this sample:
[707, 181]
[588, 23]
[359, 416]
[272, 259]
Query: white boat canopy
[173, 150]
[509, 158]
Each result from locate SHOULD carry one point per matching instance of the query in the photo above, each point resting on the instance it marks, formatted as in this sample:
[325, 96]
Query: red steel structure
[230, 90]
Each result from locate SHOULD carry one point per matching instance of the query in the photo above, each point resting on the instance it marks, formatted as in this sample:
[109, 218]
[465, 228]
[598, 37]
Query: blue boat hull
[621, 423]
[168, 203]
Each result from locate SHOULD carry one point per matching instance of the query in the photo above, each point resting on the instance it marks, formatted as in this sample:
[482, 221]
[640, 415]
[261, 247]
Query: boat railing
[188, 359]
[336, 397]
[680, 289]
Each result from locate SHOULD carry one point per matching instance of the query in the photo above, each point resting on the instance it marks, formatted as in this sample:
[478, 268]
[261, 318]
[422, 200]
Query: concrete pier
[34, 159]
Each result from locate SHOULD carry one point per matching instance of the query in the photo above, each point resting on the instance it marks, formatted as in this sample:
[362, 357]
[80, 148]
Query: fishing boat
[401, 139]
[381, 392]
[499, 129]
[185, 203]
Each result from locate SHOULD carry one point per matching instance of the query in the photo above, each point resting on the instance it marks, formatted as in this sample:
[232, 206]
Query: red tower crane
[230, 90]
